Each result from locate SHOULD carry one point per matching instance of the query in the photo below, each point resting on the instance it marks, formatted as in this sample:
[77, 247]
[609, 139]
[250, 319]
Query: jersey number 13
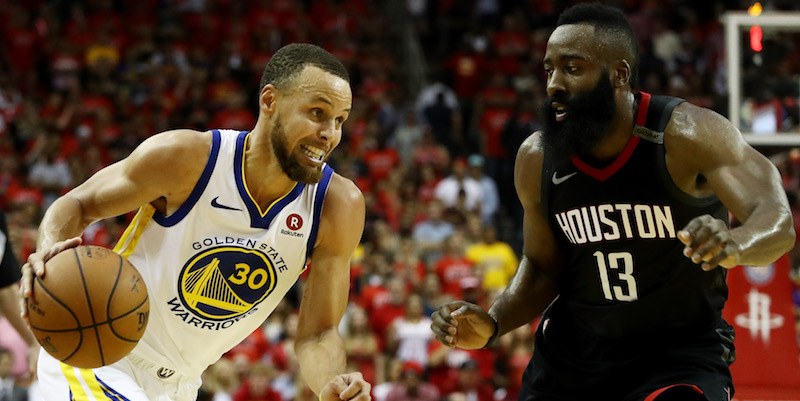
[621, 264]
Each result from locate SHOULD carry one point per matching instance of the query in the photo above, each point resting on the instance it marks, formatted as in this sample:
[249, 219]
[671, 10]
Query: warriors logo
[224, 282]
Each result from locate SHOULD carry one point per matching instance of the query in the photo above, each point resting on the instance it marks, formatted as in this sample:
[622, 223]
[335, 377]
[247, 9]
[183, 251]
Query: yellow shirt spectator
[496, 261]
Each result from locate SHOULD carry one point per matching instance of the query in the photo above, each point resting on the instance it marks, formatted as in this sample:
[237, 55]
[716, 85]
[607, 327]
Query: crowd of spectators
[83, 82]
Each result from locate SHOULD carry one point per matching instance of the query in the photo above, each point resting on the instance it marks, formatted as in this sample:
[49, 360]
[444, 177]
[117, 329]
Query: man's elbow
[788, 235]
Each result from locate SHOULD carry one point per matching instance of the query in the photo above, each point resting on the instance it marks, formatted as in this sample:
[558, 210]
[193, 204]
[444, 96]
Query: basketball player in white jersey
[227, 221]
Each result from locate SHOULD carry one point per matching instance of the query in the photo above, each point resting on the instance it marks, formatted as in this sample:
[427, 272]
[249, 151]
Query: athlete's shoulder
[693, 123]
[528, 168]
[531, 152]
[179, 144]
[342, 220]
[170, 157]
[702, 136]
[533, 143]
[343, 193]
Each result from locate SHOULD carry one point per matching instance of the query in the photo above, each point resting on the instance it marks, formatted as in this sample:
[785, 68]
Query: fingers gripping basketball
[90, 308]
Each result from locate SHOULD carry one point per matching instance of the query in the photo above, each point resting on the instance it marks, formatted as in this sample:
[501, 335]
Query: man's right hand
[462, 324]
[35, 266]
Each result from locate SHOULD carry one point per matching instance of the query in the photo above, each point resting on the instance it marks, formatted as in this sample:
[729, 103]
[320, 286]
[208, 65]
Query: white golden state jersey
[217, 267]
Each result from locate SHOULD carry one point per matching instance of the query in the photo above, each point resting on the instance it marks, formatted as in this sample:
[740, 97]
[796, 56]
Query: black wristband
[494, 334]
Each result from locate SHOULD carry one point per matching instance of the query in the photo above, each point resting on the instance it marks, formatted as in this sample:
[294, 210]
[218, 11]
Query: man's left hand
[709, 240]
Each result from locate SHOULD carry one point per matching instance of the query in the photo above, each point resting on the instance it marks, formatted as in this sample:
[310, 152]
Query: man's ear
[267, 101]
[622, 74]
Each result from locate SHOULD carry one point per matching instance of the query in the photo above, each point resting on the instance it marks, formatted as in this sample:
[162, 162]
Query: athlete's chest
[615, 203]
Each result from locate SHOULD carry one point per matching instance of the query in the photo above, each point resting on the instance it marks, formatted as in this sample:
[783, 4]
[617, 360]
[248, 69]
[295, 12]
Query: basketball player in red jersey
[627, 240]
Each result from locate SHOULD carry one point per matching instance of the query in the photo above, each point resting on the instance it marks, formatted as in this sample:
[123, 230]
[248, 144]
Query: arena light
[756, 34]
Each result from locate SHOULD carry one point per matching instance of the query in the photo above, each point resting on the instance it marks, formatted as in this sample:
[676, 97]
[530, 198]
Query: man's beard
[289, 165]
[589, 117]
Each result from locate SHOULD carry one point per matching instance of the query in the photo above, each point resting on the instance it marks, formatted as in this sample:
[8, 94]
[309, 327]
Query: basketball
[90, 308]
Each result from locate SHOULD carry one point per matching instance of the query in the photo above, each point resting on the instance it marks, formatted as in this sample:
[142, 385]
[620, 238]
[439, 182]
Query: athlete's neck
[262, 174]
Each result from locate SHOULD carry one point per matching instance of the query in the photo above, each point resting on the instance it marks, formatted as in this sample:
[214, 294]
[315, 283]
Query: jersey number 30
[622, 264]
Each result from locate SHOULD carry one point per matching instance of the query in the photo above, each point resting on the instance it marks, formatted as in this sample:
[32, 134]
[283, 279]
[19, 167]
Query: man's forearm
[321, 358]
[528, 294]
[64, 219]
[766, 235]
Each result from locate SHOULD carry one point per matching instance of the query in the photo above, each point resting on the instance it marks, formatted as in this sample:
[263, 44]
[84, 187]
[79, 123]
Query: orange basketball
[90, 308]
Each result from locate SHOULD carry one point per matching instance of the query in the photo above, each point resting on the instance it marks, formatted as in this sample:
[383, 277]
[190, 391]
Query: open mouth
[560, 111]
[312, 152]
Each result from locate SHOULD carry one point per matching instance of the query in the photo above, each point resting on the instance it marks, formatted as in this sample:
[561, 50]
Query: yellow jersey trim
[130, 238]
[244, 184]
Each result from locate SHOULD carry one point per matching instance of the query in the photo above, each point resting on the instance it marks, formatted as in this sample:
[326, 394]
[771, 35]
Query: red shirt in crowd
[245, 393]
[380, 162]
[451, 269]
[492, 124]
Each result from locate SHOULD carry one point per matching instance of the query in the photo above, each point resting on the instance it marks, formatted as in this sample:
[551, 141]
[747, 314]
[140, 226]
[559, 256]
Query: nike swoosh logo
[216, 204]
[559, 180]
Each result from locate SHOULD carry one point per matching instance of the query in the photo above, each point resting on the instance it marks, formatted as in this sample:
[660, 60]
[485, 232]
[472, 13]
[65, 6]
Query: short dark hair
[606, 20]
[290, 60]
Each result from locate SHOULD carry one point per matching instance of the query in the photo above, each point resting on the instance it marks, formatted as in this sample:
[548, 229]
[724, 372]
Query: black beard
[289, 165]
[589, 117]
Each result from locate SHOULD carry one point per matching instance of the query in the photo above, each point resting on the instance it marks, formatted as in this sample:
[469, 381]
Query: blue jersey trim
[110, 392]
[319, 198]
[257, 220]
[183, 210]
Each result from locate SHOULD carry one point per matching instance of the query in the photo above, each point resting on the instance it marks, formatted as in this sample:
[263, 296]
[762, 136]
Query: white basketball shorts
[130, 379]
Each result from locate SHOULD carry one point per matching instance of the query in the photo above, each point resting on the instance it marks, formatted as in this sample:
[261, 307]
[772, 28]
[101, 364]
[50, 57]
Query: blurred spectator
[220, 380]
[518, 350]
[253, 347]
[432, 93]
[410, 334]
[9, 171]
[445, 364]
[49, 173]
[430, 233]
[471, 291]
[379, 159]
[14, 333]
[468, 67]
[490, 198]
[408, 264]
[22, 40]
[470, 383]
[392, 307]
[394, 371]
[454, 265]
[411, 387]
[450, 187]
[429, 152]
[361, 344]
[9, 390]
[444, 122]
[427, 182]
[256, 387]
[495, 259]
[666, 44]
[407, 136]
[432, 295]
